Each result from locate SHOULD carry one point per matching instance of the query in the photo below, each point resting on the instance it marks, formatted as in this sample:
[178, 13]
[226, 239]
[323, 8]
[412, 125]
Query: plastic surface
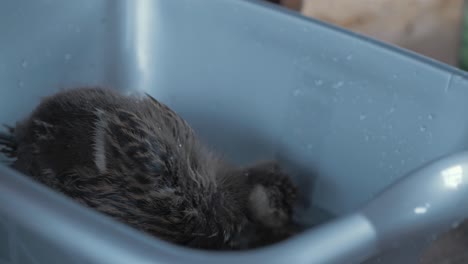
[429, 200]
[347, 116]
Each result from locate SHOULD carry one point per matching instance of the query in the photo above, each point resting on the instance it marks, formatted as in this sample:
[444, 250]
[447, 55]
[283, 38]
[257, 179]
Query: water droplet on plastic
[349, 57]
[422, 128]
[24, 64]
[180, 145]
[420, 210]
[68, 56]
[366, 138]
[338, 84]
[362, 117]
[391, 110]
[394, 77]
[296, 92]
[318, 82]
[430, 116]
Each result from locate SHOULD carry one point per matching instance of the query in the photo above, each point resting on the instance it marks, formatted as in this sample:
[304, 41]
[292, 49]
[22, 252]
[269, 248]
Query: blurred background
[433, 28]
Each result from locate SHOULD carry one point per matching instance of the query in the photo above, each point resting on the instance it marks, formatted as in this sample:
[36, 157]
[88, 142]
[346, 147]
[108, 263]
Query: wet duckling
[137, 161]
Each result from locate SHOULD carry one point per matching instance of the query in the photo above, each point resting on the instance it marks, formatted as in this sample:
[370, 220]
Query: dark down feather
[137, 161]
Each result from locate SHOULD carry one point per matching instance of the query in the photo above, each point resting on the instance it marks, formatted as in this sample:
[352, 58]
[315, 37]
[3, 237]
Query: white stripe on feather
[100, 142]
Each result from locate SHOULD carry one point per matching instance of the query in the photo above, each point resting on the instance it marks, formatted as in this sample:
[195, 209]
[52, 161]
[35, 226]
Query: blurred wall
[429, 27]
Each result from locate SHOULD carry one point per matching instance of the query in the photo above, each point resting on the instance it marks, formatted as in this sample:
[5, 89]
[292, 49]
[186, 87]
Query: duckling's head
[272, 195]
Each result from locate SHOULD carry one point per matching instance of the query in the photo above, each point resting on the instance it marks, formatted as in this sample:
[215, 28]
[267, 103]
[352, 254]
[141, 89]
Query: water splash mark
[24, 64]
[338, 85]
[318, 82]
[449, 83]
[296, 92]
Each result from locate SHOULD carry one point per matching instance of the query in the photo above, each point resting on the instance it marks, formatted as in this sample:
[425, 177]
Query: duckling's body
[136, 160]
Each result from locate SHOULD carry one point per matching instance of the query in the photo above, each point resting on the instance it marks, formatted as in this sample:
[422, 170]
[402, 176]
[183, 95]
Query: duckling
[137, 161]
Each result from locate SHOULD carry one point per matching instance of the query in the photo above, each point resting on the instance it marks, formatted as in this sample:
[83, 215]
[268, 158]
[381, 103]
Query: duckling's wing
[179, 129]
[123, 141]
